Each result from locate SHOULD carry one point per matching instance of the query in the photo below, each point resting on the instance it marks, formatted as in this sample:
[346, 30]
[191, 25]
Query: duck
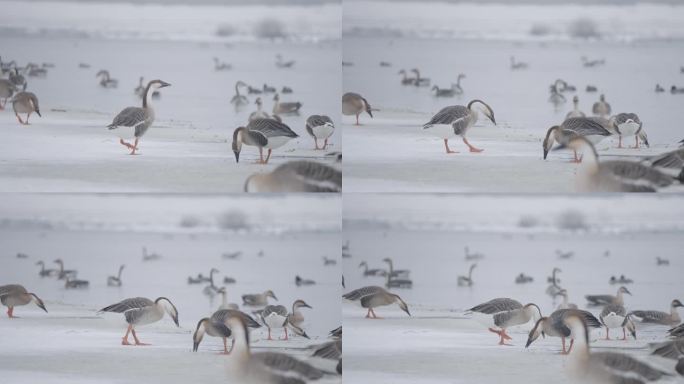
[501, 313]
[660, 317]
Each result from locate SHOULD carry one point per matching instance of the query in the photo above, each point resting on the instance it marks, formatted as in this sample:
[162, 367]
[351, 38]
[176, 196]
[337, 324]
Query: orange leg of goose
[572, 341]
[368, 315]
[286, 337]
[316, 141]
[261, 156]
[125, 144]
[636, 141]
[124, 340]
[135, 337]
[472, 149]
[563, 352]
[268, 156]
[325, 144]
[620, 141]
[624, 334]
[10, 311]
[269, 334]
[225, 347]
[27, 117]
[19, 118]
[607, 333]
[576, 159]
[446, 145]
[134, 147]
[357, 119]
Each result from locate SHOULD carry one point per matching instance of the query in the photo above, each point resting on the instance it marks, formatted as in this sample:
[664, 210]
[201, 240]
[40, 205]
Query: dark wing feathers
[128, 304]
[330, 350]
[585, 126]
[270, 128]
[357, 294]
[280, 362]
[448, 115]
[320, 177]
[129, 117]
[497, 305]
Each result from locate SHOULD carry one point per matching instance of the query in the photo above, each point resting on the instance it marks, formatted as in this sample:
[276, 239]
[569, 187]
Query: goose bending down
[601, 107]
[258, 114]
[371, 297]
[616, 175]
[467, 281]
[105, 80]
[395, 272]
[258, 299]
[115, 281]
[296, 317]
[286, 107]
[133, 122]
[46, 272]
[217, 326]
[405, 80]
[296, 176]
[76, 283]
[564, 304]
[320, 127]
[517, 64]
[25, 102]
[605, 367]
[15, 295]
[261, 133]
[6, 91]
[592, 128]
[659, 317]
[501, 313]
[142, 311]
[238, 99]
[420, 81]
[265, 367]
[456, 121]
[372, 272]
[224, 302]
[355, 104]
[64, 273]
[575, 109]
[608, 299]
[627, 124]
[615, 316]
[555, 325]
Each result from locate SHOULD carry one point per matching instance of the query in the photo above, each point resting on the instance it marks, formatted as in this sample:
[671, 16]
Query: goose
[523, 279]
[299, 281]
[296, 176]
[564, 86]
[385, 64]
[601, 107]
[211, 290]
[398, 282]
[264, 367]
[554, 289]
[661, 261]
[320, 127]
[555, 325]
[591, 89]
[564, 255]
[258, 299]
[673, 349]
[444, 92]
[575, 109]
[25, 102]
[150, 256]
[134, 120]
[336, 333]
[105, 80]
[275, 317]
[677, 331]
[622, 280]
[46, 272]
[261, 133]
[327, 261]
[76, 283]
[355, 104]
[615, 316]
[254, 91]
[347, 64]
[296, 317]
[372, 297]
[609, 299]
[473, 256]
[615, 175]
[517, 65]
[221, 66]
[142, 311]
[674, 90]
[671, 163]
[556, 98]
[285, 108]
[232, 255]
[280, 63]
[286, 90]
[372, 272]
[605, 367]
[19, 80]
[83, 65]
[456, 120]
[457, 87]
[592, 63]
[217, 326]
[239, 99]
[467, 281]
[501, 313]
[269, 89]
[592, 128]
[331, 350]
[405, 80]
[64, 273]
[22, 255]
[659, 317]
[659, 89]
[627, 124]
[258, 114]
[6, 91]
[229, 280]
[115, 281]
[395, 272]
[420, 81]
[224, 302]
[15, 295]
[196, 280]
[564, 304]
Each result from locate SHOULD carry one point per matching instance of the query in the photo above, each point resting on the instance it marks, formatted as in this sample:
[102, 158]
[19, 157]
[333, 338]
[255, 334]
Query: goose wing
[650, 316]
[129, 117]
[493, 306]
[673, 159]
[360, 293]
[316, 177]
[270, 128]
[282, 364]
[670, 349]
[128, 304]
[624, 366]
[449, 115]
[613, 308]
[12, 289]
[600, 299]
[586, 126]
[635, 177]
[223, 315]
[330, 350]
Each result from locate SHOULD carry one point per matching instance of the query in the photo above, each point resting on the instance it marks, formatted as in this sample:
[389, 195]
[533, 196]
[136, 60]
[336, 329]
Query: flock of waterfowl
[228, 322]
[264, 131]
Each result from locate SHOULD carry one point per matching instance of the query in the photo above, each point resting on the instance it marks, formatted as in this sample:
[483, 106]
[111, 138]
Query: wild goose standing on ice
[258, 299]
[142, 311]
[627, 124]
[14, 295]
[46, 272]
[261, 133]
[593, 128]
[275, 317]
[355, 104]
[286, 107]
[320, 127]
[25, 102]
[296, 317]
[467, 281]
[6, 91]
[372, 297]
[456, 121]
[575, 109]
[615, 175]
[105, 80]
[238, 99]
[601, 107]
[605, 367]
[608, 299]
[296, 176]
[420, 81]
[615, 316]
[217, 326]
[133, 122]
[556, 326]
[501, 313]
[115, 281]
[258, 114]
[659, 317]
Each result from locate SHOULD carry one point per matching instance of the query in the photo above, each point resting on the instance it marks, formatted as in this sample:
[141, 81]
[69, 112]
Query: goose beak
[237, 156]
[195, 345]
[38, 112]
[546, 152]
[164, 84]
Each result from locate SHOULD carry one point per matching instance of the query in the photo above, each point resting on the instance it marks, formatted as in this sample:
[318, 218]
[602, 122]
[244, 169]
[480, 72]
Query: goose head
[169, 308]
